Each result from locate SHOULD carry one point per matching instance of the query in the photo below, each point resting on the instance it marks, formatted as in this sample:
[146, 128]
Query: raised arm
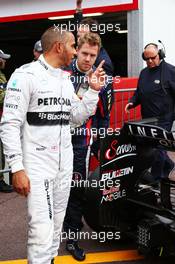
[78, 16]
[79, 5]
[82, 109]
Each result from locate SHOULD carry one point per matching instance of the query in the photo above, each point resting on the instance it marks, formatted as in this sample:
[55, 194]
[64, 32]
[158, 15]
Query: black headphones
[161, 52]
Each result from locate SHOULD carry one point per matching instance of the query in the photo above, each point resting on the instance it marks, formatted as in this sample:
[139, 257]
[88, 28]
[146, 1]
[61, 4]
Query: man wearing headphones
[156, 95]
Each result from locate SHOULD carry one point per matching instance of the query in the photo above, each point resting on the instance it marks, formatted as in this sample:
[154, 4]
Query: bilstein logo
[108, 175]
[116, 151]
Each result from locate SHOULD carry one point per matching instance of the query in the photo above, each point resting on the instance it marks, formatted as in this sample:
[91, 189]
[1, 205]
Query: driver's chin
[151, 65]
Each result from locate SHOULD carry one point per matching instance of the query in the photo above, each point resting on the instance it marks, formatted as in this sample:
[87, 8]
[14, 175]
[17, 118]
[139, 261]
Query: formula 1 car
[120, 199]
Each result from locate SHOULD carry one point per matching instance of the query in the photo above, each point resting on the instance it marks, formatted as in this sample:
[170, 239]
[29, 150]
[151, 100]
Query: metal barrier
[5, 170]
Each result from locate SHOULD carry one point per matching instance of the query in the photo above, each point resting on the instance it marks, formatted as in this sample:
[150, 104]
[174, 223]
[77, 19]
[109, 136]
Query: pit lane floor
[13, 235]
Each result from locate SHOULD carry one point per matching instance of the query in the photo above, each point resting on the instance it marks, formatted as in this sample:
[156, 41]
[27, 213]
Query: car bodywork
[120, 199]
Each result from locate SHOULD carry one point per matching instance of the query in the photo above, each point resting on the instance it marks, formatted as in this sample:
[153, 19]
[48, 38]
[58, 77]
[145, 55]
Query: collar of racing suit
[53, 71]
[76, 69]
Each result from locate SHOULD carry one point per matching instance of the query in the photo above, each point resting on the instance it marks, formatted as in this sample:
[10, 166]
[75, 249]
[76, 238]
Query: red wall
[118, 115]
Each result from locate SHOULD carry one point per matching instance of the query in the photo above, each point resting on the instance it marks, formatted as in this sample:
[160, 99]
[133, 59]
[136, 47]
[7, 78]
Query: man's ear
[59, 47]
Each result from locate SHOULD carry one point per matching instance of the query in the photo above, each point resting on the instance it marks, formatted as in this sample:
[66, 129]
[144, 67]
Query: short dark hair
[51, 35]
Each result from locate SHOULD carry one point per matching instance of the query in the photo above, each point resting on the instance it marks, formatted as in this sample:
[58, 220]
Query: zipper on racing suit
[46, 68]
[59, 149]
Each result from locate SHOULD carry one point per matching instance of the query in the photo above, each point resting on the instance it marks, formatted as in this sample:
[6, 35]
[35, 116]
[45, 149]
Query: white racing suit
[39, 104]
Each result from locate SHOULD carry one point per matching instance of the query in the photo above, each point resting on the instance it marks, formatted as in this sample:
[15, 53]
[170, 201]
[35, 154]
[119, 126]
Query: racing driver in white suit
[35, 129]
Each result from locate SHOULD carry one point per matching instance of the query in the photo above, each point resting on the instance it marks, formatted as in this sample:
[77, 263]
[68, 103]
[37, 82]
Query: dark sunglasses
[150, 58]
